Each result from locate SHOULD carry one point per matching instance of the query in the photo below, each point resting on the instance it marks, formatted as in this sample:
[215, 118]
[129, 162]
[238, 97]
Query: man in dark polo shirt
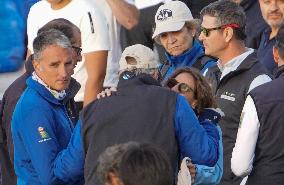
[273, 13]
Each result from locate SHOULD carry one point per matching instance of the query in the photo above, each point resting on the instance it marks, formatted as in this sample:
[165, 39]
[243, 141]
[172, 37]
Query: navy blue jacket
[202, 151]
[41, 128]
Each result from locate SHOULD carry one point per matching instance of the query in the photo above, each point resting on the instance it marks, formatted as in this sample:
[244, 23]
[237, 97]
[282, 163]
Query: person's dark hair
[227, 12]
[202, 92]
[47, 38]
[279, 44]
[134, 163]
[144, 165]
[63, 25]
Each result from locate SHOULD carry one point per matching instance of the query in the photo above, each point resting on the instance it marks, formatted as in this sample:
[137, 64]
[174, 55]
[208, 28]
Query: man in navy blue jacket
[139, 111]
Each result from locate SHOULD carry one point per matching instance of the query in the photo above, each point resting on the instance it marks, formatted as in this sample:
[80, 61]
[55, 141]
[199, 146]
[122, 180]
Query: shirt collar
[234, 63]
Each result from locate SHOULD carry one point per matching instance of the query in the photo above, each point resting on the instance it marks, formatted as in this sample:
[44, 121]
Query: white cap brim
[169, 27]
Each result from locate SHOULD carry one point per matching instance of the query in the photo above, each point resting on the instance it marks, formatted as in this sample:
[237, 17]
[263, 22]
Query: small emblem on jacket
[43, 134]
[228, 96]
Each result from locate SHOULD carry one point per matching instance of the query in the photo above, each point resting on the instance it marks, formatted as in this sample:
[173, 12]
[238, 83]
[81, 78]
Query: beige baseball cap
[171, 16]
[144, 58]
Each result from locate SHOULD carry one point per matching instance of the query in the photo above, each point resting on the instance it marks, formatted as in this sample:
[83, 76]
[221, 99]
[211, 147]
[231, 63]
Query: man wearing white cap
[175, 31]
[140, 111]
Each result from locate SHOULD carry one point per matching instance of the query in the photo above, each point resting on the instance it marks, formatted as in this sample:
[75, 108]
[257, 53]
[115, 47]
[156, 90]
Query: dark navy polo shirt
[264, 52]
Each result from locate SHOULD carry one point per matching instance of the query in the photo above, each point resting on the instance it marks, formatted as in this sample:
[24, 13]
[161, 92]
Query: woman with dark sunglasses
[192, 85]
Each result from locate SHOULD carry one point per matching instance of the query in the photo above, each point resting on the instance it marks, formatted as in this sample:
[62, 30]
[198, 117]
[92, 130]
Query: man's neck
[62, 4]
[232, 52]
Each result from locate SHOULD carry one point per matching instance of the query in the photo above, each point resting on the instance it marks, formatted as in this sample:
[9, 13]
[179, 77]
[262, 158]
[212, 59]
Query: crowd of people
[194, 98]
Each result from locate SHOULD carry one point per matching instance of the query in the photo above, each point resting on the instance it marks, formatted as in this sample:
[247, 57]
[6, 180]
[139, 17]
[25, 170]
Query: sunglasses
[77, 50]
[206, 31]
[182, 87]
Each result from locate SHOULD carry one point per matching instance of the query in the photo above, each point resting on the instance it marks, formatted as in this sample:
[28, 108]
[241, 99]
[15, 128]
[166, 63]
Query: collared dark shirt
[264, 52]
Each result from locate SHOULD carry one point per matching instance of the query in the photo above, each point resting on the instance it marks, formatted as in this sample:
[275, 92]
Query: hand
[106, 92]
[192, 170]
[184, 176]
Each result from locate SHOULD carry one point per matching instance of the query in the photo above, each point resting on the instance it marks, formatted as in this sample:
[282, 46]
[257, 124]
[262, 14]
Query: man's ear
[36, 65]
[276, 55]
[228, 33]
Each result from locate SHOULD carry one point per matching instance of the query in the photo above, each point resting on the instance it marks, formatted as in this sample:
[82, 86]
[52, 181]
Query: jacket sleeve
[37, 131]
[211, 175]
[244, 149]
[194, 140]
[69, 164]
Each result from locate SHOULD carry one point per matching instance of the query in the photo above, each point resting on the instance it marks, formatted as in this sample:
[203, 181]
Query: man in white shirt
[258, 150]
[117, 13]
[238, 71]
[95, 40]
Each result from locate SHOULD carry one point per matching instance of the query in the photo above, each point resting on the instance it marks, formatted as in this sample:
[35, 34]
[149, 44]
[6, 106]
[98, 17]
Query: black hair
[145, 165]
[63, 25]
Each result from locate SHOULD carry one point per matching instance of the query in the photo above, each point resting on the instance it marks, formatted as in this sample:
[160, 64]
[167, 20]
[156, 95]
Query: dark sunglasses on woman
[182, 87]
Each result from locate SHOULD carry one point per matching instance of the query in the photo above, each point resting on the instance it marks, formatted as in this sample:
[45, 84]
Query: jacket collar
[187, 58]
[71, 91]
[280, 71]
[247, 63]
[141, 79]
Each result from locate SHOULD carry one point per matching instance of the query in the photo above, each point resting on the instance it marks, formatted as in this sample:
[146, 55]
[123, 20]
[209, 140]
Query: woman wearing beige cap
[175, 30]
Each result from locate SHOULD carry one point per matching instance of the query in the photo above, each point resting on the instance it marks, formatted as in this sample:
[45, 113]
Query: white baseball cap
[144, 56]
[171, 16]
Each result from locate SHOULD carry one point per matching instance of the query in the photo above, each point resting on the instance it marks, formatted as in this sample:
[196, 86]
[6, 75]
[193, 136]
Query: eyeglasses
[77, 50]
[182, 87]
[206, 31]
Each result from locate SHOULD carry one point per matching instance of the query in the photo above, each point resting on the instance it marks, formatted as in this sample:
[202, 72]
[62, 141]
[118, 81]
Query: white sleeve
[132, 2]
[94, 32]
[259, 80]
[243, 152]
[32, 27]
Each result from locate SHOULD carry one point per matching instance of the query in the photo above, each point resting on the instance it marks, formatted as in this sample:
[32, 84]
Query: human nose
[63, 71]
[171, 38]
[273, 6]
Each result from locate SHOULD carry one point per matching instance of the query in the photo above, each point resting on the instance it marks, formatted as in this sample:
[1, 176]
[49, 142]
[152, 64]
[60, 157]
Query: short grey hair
[48, 38]
[227, 12]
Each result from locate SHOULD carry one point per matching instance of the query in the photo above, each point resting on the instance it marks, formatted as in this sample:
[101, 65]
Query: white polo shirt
[89, 20]
[114, 54]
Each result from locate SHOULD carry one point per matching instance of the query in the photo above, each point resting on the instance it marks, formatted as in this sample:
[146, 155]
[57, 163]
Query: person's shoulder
[39, 6]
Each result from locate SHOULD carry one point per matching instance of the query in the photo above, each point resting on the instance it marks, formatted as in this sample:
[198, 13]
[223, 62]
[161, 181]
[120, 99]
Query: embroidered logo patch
[228, 96]
[43, 134]
[164, 14]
